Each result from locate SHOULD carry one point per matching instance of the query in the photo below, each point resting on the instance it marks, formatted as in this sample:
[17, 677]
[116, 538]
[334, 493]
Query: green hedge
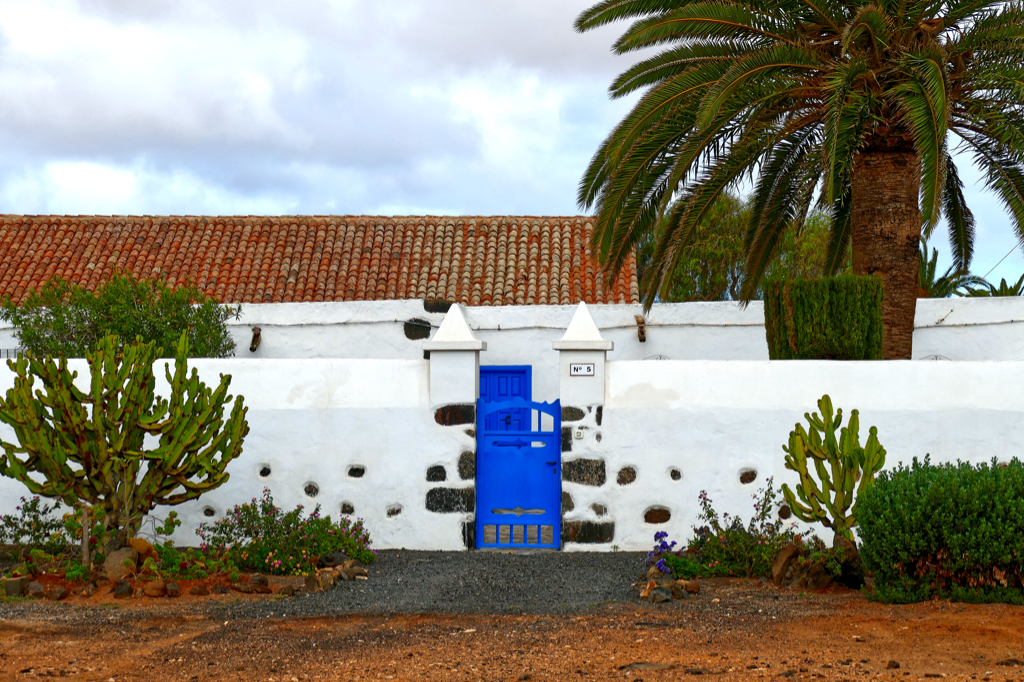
[832, 318]
[955, 531]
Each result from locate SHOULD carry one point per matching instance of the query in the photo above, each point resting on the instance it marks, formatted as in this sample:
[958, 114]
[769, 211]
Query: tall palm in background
[846, 104]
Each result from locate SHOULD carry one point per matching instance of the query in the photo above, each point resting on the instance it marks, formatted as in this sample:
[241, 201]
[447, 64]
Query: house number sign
[585, 369]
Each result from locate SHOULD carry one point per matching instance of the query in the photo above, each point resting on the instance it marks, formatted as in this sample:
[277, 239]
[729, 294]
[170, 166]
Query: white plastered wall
[310, 421]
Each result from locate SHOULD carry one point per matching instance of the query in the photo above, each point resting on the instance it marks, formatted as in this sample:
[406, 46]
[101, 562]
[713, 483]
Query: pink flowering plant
[260, 536]
[723, 545]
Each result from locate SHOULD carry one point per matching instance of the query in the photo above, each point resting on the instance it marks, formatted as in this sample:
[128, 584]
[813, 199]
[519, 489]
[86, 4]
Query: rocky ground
[486, 616]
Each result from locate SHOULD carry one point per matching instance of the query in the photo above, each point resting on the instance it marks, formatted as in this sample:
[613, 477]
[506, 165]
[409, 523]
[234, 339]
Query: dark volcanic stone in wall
[356, 471]
[436, 473]
[452, 415]
[566, 439]
[572, 414]
[657, 515]
[467, 465]
[449, 500]
[748, 476]
[599, 509]
[347, 508]
[585, 471]
[588, 532]
[469, 534]
[626, 476]
[433, 305]
[567, 504]
[600, 414]
[416, 329]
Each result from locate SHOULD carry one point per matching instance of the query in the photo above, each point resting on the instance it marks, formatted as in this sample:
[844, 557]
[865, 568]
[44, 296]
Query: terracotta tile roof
[500, 260]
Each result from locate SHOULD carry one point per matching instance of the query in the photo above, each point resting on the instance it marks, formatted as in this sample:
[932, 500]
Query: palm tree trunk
[885, 228]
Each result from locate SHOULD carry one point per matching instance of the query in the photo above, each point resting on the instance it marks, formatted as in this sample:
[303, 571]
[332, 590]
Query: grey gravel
[403, 581]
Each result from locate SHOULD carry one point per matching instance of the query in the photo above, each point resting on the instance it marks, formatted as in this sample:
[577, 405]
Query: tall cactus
[118, 446]
[833, 502]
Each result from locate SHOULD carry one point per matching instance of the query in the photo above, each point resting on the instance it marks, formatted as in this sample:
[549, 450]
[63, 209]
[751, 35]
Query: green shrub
[259, 536]
[724, 546]
[832, 318]
[35, 526]
[954, 531]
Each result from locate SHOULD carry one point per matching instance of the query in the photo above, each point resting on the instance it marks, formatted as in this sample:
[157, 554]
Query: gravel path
[403, 581]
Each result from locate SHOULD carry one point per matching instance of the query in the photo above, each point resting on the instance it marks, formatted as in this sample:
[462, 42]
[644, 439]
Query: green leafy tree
[711, 266]
[68, 320]
[932, 285]
[118, 446]
[849, 106]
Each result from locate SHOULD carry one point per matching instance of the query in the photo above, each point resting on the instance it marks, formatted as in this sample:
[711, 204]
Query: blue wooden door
[519, 475]
[501, 383]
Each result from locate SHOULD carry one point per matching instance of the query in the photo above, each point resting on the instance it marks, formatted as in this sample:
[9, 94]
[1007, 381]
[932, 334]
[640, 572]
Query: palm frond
[959, 218]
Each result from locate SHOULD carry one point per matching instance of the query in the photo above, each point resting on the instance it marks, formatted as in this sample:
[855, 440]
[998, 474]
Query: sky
[382, 107]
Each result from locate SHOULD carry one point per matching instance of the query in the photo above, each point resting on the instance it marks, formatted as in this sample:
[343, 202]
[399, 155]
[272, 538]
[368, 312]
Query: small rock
[660, 595]
[173, 590]
[524, 677]
[101, 581]
[35, 589]
[120, 563]
[654, 573]
[311, 583]
[858, 638]
[347, 574]
[144, 549]
[56, 593]
[892, 665]
[122, 589]
[679, 590]
[199, 590]
[1010, 662]
[286, 590]
[326, 580]
[244, 588]
[154, 588]
[783, 561]
[333, 559]
[351, 563]
[87, 590]
[220, 589]
[258, 580]
[648, 588]
[715, 601]
[691, 586]
[138, 592]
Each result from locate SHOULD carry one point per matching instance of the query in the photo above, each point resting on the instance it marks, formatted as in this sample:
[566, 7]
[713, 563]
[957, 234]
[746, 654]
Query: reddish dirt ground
[753, 631]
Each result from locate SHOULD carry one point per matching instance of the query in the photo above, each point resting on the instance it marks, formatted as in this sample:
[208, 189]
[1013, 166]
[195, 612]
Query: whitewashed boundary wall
[317, 422]
[711, 421]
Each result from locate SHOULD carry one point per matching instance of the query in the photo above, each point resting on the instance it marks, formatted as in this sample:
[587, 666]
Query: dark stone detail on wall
[748, 476]
[467, 465]
[426, 355]
[469, 534]
[626, 476]
[471, 433]
[599, 509]
[600, 414]
[448, 500]
[356, 471]
[597, 437]
[416, 329]
[585, 471]
[264, 470]
[437, 473]
[588, 532]
[208, 511]
[572, 414]
[675, 474]
[436, 305]
[785, 512]
[567, 504]
[566, 439]
[347, 508]
[311, 489]
[394, 510]
[657, 515]
[452, 415]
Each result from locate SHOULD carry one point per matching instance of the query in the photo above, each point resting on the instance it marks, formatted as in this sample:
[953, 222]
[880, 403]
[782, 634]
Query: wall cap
[454, 334]
[582, 333]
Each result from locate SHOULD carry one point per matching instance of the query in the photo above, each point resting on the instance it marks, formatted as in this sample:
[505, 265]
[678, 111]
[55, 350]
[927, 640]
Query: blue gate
[519, 474]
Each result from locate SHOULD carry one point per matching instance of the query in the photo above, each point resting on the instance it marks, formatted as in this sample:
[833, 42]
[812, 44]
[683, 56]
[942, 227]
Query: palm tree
[943, 286]
[846, 104]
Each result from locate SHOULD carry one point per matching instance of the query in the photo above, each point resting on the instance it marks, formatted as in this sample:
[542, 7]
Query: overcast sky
[452, 107]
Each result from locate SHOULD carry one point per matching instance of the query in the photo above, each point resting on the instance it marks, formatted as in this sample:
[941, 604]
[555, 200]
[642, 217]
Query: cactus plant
[850, 468]
[118, 446]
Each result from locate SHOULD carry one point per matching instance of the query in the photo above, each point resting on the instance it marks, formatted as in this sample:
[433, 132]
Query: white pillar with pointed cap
[581, 357]
[454, 361]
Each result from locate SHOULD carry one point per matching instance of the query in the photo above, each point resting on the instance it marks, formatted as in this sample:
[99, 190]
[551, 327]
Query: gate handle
[508, 420]
[553, 463]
